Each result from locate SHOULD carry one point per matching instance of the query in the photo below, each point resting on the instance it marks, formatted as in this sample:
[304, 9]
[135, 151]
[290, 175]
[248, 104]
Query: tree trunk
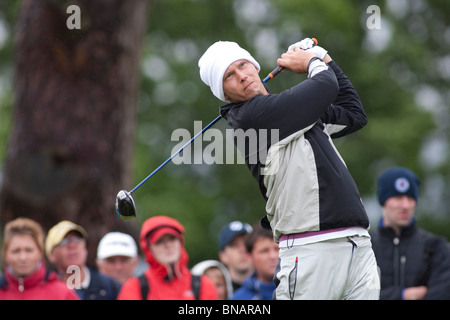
[75, 99]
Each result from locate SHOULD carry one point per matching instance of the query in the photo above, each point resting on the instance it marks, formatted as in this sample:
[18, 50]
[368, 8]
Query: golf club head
[125, 207]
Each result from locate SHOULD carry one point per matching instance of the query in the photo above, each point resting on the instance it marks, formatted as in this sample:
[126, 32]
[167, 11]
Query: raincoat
[166, 282]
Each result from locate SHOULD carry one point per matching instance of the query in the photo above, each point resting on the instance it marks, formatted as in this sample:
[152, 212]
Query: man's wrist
[327, 59]
[315, 65]
[311, 61]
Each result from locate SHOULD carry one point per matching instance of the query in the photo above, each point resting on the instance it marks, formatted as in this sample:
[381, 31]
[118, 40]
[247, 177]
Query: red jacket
[35, 287]
[161, 285]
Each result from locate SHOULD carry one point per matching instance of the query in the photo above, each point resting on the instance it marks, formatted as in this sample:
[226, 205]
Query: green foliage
[394, 69]
[7, 12]
[5, 119]
[205, 199]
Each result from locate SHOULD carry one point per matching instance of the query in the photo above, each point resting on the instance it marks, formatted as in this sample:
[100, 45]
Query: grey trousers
[336, 269]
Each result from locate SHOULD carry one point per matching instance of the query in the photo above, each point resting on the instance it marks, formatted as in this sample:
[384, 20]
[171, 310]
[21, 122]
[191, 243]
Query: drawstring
[287, 242]
[354, 246]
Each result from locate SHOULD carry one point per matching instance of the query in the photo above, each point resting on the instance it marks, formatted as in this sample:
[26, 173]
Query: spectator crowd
[413, 263]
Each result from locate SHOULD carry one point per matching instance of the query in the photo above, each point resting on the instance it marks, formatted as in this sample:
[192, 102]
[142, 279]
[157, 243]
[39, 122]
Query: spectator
[168, 277]
[26, 277]
[414, 263]
[232, 252]
[264, 253]
[218, 274]
[117, 256]
[66, 249]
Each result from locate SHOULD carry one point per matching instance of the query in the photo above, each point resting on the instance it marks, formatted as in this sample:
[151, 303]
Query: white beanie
[216, 60]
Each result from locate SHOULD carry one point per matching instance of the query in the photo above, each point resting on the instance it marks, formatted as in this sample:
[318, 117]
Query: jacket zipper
[396, 242]
[399, 264]
[403, 271]
[21, 286]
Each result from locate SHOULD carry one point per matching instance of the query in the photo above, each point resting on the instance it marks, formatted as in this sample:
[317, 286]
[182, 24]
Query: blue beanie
[397, 181]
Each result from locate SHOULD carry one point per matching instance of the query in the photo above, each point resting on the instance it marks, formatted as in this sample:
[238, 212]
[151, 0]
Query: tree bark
[75, 96]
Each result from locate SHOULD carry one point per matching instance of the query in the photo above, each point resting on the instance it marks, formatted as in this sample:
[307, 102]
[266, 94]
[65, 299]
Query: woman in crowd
[25, 275]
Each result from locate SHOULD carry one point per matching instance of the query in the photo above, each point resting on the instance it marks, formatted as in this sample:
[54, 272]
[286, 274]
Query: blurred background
[87, 112]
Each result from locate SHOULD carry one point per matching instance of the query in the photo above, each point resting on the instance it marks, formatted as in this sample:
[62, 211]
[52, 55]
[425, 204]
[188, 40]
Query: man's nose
[405, 201]
[241, 76]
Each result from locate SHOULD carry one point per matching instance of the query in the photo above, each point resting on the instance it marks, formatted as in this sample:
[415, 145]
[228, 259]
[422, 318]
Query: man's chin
[403, 222]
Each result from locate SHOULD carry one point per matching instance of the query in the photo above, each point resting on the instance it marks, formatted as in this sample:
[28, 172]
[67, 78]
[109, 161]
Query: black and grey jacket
[300, 172]
[413, 258]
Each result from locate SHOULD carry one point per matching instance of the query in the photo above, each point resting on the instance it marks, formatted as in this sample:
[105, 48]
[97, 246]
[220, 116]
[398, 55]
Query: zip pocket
[293, 280]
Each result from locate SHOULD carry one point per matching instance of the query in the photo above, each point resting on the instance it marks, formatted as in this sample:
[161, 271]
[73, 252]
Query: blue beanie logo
[401, 185]
[397, 181]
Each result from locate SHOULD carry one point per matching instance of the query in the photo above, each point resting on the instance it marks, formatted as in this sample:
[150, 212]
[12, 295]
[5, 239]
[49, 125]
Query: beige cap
[59, 231]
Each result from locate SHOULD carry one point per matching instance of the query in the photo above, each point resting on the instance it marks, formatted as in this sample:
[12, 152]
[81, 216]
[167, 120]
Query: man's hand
[296, 61]
[415, 293]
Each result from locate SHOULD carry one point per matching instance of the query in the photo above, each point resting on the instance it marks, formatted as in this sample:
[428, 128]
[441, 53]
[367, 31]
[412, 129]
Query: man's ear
[225, 95]
[98, 262]
[223, 257]
[52, 258]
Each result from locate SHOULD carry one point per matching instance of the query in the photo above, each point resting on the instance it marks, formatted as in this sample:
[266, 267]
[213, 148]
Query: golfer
[313, 204]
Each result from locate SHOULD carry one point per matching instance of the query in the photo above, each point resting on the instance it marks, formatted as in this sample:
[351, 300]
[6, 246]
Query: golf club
[125, 206]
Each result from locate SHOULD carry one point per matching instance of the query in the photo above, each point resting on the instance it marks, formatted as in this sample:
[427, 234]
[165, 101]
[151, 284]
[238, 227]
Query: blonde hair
[23, 226]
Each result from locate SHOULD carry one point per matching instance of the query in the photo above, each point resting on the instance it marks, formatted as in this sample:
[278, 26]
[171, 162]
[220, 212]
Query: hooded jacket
[300, 173]
[200, 268]
[40, 285]
[165, 282]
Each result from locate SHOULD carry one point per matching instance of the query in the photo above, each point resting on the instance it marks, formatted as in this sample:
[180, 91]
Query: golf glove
[305, 44]
[309, 45]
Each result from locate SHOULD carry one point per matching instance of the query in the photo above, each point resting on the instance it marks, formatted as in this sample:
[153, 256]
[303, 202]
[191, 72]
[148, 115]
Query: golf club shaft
[176, 153]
